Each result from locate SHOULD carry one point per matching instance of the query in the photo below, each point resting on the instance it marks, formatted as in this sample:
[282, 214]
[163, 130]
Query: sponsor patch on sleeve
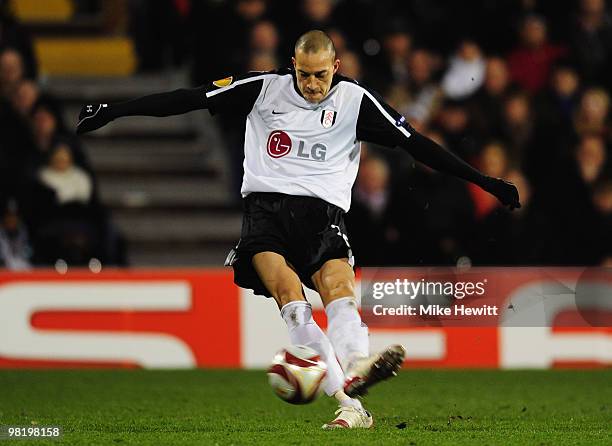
[223, 82]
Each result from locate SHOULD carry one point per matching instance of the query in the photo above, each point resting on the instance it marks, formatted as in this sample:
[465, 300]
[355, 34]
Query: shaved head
[315, 64]
[315, 41]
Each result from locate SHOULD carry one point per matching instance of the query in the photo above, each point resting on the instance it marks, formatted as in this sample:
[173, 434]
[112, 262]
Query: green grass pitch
[138, 407]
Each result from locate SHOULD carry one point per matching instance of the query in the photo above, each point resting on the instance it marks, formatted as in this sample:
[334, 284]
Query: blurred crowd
[519, 88]
[49, 205]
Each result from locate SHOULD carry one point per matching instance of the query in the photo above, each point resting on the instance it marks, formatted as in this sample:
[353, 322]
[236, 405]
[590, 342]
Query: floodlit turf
[237, 407]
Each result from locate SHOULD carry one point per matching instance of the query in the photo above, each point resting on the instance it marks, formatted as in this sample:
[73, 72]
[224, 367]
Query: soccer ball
[296, 373]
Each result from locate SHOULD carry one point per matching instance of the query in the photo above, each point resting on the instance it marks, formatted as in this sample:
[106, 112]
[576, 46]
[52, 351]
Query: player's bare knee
[336, 285]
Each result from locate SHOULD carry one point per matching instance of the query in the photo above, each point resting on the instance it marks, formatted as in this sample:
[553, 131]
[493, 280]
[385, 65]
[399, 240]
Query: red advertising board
[195, 309]
[199, 318]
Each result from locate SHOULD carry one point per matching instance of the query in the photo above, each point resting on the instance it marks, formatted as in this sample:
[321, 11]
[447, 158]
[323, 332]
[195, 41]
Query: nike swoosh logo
[278, 113]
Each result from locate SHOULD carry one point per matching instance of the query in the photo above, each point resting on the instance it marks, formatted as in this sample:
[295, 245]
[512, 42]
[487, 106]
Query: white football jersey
[295, 147]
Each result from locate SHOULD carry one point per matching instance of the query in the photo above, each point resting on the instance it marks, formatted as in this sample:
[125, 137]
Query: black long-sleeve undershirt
[437, 157]
[162, 104]
[389, 128]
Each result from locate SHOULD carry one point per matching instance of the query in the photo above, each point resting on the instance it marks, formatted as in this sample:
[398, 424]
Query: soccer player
[303, 130]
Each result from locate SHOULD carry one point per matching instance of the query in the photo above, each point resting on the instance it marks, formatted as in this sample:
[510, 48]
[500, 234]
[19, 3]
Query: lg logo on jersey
[280, 144]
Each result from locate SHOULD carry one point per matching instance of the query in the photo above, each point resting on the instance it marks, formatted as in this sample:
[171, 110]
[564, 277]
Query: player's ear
[336, 65]
[293, 61]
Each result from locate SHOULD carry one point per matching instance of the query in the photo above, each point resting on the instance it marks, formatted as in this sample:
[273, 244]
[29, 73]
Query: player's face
[315, 72]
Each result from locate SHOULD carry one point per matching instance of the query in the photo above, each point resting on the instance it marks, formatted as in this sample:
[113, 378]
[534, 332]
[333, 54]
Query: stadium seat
[34, 11]
[86, 56]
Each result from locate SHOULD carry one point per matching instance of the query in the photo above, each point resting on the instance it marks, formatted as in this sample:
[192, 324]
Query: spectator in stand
[594, 169]
[493, 161]
[423, 91]
[466, 71]
[47, 132]
[592, 114]
[24, 98]
[15, 249]
[553, 134]
[392, 68]
[12, 35]
[339, 40]
[373, 186]
[486, 106]
[69, 182]
[318, 14]
[351, 65]
[591, 159]
[264, 43]
[11, 72]
[70, 227]
[563, 222]
[15, 135]
[602, 196]
[588, 223]
[493, 240]
[45, 128]
[531, 61]
[369, 221]
[48, 128]
[517, 127]
[591, 43]
[264, 38]
[65, 211]
[556, 105]
[263, 62]
[454, 123]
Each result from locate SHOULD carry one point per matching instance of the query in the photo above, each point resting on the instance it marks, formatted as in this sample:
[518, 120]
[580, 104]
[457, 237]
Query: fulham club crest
[328, 118]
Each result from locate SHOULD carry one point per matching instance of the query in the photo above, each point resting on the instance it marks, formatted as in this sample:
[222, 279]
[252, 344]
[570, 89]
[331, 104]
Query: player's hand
[504, 191]
[92, 117]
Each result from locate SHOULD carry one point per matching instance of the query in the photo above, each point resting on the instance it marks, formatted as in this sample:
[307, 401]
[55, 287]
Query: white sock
[347, 333]
[303, 330]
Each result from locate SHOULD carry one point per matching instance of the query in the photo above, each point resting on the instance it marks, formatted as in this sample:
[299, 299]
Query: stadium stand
[535, 111]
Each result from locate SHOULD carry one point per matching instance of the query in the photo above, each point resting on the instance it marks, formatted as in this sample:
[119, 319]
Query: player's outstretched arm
[94, 116]
[381, 124]
[233, 96]
[437, 157]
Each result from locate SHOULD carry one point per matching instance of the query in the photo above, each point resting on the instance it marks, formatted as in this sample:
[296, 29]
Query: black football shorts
[306, 231]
